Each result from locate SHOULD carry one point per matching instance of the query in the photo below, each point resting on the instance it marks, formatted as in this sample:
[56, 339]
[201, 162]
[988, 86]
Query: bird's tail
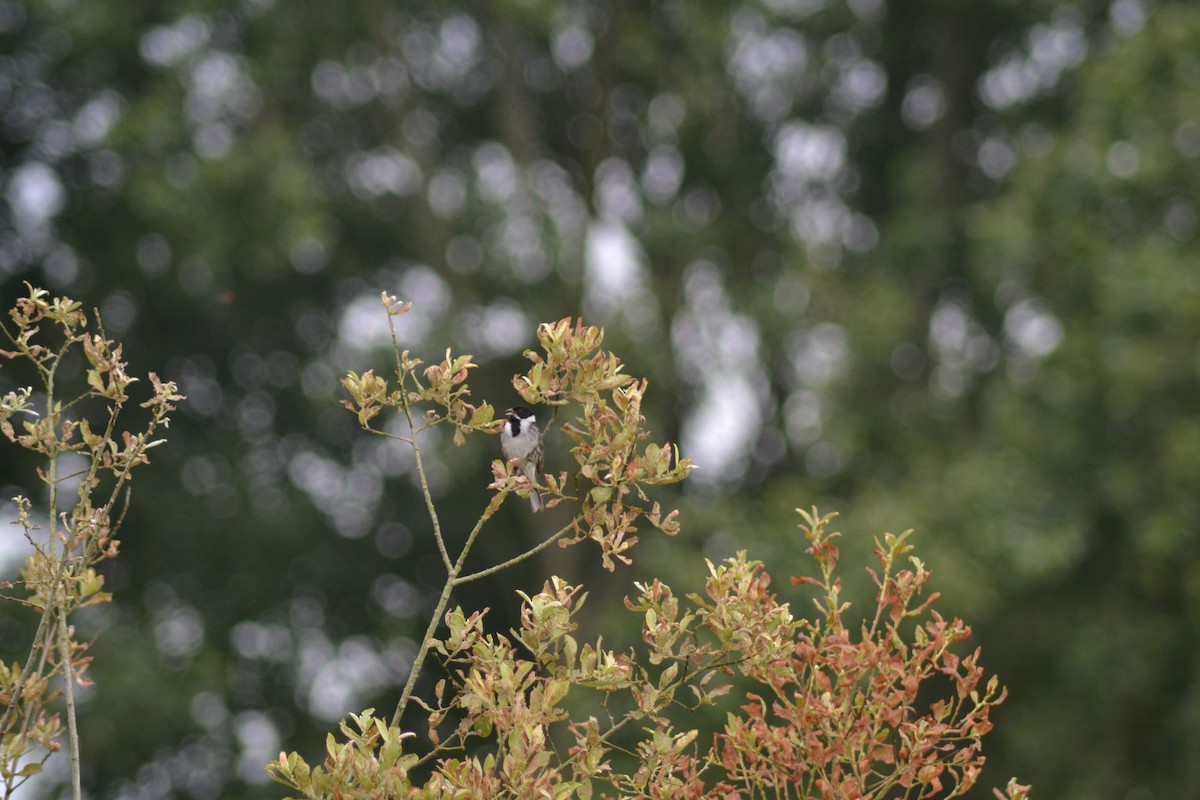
[535, 497]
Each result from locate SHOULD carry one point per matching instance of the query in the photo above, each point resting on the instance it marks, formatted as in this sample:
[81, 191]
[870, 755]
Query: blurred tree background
[930, 263]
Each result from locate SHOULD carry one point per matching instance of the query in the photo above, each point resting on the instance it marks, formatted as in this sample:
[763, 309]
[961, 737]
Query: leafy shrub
[60, 575]
[883, 707]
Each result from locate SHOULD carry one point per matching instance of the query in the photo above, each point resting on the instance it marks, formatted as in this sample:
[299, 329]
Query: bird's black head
[519, 412]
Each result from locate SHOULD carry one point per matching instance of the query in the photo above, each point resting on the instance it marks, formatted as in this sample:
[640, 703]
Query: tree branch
[483, 573]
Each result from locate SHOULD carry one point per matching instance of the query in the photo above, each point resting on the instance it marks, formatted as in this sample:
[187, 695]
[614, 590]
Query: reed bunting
[521, 439]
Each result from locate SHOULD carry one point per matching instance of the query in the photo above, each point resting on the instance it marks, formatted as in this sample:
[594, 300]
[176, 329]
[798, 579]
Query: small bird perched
[521, 439]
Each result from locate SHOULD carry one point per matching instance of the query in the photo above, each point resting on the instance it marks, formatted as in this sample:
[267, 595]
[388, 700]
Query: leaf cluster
[831, 713]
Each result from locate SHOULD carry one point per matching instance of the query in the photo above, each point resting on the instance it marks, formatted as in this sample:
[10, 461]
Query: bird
[521, 439]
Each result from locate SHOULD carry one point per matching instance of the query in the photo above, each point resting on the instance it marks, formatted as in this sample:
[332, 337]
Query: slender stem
[64, 632]
[417, 447]
[433, 516]
[436, 618]
[64, 650]
[387, 435]
[483, 573]
[52, 478]
[412, 426]
[439, 751]
[880, 595]
[549, 423]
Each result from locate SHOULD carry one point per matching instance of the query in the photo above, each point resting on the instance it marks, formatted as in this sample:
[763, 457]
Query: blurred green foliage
[931, 264]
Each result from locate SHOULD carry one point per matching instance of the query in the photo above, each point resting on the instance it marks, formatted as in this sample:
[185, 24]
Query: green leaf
[482, 415]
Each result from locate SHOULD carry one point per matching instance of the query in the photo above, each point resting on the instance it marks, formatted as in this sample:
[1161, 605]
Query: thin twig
[433, 516]
[64, 632]
[483, 573]
[416, 448]
[435, 620]
[64, 649]
[414, 672]
[387, 434]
